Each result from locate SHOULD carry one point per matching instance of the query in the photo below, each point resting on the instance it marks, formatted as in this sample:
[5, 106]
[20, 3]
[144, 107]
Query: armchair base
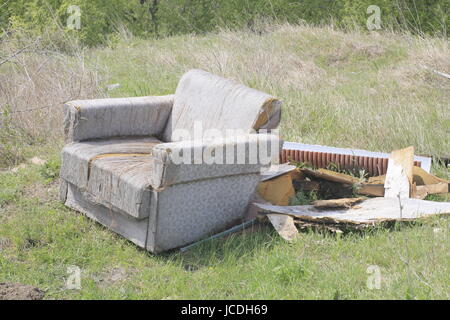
[179, 215]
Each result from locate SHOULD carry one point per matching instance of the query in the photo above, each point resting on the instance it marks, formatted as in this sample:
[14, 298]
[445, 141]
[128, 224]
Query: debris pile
[292, 197]
[298, 195]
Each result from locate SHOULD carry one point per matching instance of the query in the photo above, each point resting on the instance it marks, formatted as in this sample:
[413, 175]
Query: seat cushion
[114, 172]
[220, 104]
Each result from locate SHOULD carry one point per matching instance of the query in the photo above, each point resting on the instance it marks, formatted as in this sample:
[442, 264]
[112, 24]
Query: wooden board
[369, 211]
[284, 225]
[399, 175]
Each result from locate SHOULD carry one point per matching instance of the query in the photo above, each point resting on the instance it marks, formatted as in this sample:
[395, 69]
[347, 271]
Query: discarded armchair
[165, 171]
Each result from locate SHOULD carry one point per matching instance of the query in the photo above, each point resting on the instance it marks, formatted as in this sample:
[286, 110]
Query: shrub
[154, 18]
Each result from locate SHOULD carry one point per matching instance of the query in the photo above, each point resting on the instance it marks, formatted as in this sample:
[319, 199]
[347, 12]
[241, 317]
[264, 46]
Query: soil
[17, 291]
[111, 277]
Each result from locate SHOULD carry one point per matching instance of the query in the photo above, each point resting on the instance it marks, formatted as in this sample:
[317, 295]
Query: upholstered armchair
[167, 171]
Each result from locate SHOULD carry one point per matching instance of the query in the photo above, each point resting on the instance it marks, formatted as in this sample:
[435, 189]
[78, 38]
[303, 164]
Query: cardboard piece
[277, 190]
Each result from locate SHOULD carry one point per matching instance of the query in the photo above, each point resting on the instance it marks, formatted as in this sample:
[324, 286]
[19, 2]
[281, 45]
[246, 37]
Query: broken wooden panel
[399, 175]
[369, 211]
[374, 190]
[284, 225]
[278, 190]
[331, 176]
[377, 179]
[424, 182]
[337, 203]
[421, 177]
[420, 192]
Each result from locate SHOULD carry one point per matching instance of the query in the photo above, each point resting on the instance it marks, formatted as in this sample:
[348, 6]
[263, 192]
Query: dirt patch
[31, 243]
[17, 291]
[190, 267]
[343, 55]
[371, 51]
[111, 277]
[5, 243]
[43, 192]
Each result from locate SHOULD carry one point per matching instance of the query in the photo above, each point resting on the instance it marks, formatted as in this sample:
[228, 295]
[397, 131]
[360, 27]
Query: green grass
[351, 89]
[45, 238]
[341, 89]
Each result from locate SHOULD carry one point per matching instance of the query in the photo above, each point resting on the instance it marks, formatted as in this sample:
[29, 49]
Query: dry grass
[33, 86]
[344, 89]
[348, 89]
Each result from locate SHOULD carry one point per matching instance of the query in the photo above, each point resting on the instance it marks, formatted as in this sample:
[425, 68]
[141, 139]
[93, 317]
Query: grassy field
[348, 89]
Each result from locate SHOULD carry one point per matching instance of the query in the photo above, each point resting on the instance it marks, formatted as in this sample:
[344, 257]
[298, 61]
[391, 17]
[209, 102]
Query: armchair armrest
[102, 118]
[191, 160]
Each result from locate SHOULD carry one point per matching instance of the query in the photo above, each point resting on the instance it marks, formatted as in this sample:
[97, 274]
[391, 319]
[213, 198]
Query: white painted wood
[399, 175]
[369, 211]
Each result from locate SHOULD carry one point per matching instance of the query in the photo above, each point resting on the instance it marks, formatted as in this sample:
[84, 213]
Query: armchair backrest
[221, 104]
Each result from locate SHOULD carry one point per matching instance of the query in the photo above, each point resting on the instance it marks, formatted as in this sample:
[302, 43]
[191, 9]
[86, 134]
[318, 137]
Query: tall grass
[36, 78]
[349, 89]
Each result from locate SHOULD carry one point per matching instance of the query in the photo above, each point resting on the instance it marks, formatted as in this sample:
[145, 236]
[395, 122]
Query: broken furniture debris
[368, 212]
[280, 183]
[119, 165]
[398, 195]
[375, 163]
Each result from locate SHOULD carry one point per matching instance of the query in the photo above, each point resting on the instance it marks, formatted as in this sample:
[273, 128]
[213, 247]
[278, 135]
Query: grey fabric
[101, 118]
[133, 229]
[115, 171]
[221, 104]
[168, 171]
[180, 215]
[188, 212]
[122, 182]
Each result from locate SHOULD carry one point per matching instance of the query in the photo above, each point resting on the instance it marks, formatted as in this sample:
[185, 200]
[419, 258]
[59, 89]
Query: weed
[50, 169]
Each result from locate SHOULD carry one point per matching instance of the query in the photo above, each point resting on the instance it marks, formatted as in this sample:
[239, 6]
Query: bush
[50, 170]
[155, 18]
